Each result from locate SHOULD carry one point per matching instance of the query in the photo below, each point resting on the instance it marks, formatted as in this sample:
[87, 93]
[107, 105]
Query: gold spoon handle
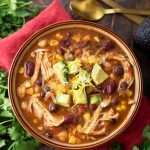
[127, 11]
[135, 18]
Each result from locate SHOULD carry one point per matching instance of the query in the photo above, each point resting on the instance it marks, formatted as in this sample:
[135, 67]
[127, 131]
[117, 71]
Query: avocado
[79, 96]
[141, 38]
[98, 74]
[95, 99]
[73, 66]
[63, 99]
[61, 71]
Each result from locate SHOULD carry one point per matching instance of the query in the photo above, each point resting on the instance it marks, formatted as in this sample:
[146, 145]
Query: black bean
[115, 101]
[42, 94]
[70, 119]
[49, 135]
[65, 43]
[30, 65]
[39, 82]
[53, 107]
[60, 51]
[113, 121]
[46, 88]
[118, 70]
[124, 85]
[108, 45]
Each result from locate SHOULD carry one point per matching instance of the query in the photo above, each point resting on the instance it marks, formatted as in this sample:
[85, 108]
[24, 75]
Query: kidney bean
[115, 101]
[39, 82]
[30, 65]
[49, 135]
[60, 51]
[82, 108]
[124, 85]
[108, 45]
[70, 119]
[93, 107]
[53, 107]
[111, 87]
[118, 70]
[65, 43]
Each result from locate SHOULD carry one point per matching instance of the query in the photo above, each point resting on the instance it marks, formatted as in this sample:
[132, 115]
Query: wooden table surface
[125, 29]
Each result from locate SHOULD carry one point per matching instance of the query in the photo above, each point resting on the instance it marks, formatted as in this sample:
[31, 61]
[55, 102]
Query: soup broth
[75, 85]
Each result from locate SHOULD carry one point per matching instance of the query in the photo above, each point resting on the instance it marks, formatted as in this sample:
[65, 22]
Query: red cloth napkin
[56, 13]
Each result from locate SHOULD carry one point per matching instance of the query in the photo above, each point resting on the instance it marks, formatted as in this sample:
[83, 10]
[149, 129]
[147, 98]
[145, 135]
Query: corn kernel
[59, 36]
[129, 93]
[59, 57]
[76, 38]
[87, 116]
[79, 127]
[21, 70]
[35, 121]
[96, 39]
[29, 91]
[86, 38]
[27, 84]
[118, 108]
[112, 76]
[37, 89]
[53, 43]
[123, 107]
[73, 140]
[35, 95]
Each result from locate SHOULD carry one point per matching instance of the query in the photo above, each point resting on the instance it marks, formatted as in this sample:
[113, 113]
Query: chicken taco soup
[75, 85]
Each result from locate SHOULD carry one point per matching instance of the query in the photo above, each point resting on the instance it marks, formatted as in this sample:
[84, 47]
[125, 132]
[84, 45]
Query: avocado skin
[141, 37]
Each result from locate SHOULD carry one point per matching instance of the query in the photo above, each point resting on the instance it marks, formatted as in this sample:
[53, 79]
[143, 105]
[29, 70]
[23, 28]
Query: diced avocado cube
[63, 99]
[79, 96]
[73, 66]
[61, 71]
[95, 99]
[98, 74]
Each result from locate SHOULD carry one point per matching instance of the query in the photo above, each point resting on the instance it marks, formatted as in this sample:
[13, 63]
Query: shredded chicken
[37, 66]
[128, 70]
[107, 116]
[90, 126]
[105, 102]
[46, 68]
[41, 112]
[96, 126]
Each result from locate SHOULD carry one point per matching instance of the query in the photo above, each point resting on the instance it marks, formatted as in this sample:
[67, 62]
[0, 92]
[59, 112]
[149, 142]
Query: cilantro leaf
[117, 146]
[135, 148]
[146, 132]
[2, 143]
[2, 130]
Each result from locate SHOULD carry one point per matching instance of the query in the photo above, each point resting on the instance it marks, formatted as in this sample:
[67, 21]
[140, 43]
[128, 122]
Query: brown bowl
[22, 52]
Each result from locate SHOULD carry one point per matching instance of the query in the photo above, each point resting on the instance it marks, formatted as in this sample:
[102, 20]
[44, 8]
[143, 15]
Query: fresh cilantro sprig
[14, 13]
